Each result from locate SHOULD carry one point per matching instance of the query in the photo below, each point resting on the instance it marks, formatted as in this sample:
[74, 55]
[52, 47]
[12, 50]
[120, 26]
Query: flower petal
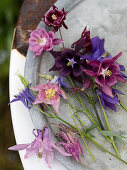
[19, 147]
[107, 90]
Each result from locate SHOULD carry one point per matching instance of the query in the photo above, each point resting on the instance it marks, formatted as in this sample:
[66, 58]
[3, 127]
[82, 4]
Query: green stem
[108, 127]
[123, 106]
[87, 137]
[81, 134]
[96, 112]
[61, 37]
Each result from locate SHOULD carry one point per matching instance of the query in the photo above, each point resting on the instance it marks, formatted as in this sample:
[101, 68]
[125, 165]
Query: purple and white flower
[41, 41]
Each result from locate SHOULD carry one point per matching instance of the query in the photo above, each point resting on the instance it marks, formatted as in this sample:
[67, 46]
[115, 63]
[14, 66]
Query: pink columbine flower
[49, 94]
[106, 73]
[41, 41]
[71, 144]
[42, 146]
[55, 18]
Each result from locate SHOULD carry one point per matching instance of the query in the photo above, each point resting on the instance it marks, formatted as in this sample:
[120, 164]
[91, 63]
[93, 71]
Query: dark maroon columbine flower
[71, 143]
[55, 18]
[84, 41]
[106, 73]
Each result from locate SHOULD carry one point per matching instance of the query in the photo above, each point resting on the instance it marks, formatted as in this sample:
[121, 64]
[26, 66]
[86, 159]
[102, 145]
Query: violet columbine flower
[25, 97]
[108, 101]
[60, 81]
[68, 62]
[55, 18]
[41, 41]
[98, 52]
[42, 146]
[49, 94]
[106, 73]
[71, 143]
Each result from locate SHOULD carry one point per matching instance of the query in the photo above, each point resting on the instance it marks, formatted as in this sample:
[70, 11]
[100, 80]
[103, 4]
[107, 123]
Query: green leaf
[91, 128]
[23, 80]
[106, 133]
[118, 139]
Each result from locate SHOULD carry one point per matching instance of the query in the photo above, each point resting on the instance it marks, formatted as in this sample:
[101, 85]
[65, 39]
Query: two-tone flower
[55, 18]
[41, 41]
[42, 146]
[49, 94]
[106, 73]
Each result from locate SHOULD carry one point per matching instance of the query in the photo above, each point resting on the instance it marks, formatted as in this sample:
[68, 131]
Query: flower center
[50, 93]
[107, 73]
[71, 62]
[40, 154]
[54, 16]
[41, 41]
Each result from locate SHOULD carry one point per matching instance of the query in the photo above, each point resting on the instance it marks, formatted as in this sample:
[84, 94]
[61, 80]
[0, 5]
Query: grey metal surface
[106, 19]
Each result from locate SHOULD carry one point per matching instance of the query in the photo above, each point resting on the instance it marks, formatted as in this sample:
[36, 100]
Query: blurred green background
[9, 12]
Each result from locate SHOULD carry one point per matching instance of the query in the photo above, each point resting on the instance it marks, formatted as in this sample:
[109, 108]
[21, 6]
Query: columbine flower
[84, 42]
[42, 146]
[68, 62]
[106, 73]
[71, 144]
[98, 51]
[60, 81]
[108, 101]
[25, 97]
[49, 94]
[41, 41]
[55, 18]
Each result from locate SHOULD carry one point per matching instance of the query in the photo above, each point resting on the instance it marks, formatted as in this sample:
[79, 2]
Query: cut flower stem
[108, 127]
[85, 135]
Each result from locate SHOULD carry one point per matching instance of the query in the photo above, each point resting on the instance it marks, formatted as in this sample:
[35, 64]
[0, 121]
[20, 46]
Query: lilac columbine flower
[106, 73]
[25, 97]
[55, 18]
[42, 146]
[71, 143]
[98, 52]
[41, 41]
[68, 62]
[49, 94]
[108, 101]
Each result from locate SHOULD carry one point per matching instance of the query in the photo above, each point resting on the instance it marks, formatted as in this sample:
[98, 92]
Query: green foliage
[117, 137]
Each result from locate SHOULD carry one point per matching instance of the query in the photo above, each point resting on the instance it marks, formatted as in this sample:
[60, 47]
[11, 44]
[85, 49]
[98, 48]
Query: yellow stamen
[54, 16]
[108, 73]
[50, 93]
[106, 54]
[40, 154]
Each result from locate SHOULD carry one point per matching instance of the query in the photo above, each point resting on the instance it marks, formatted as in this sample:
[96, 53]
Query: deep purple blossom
[41, 41]
[25, 97]
[106, 73]
[98, 52]
[55, 18]
[42, 146]
[108, 101]
[68, 62]
[71, 143]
